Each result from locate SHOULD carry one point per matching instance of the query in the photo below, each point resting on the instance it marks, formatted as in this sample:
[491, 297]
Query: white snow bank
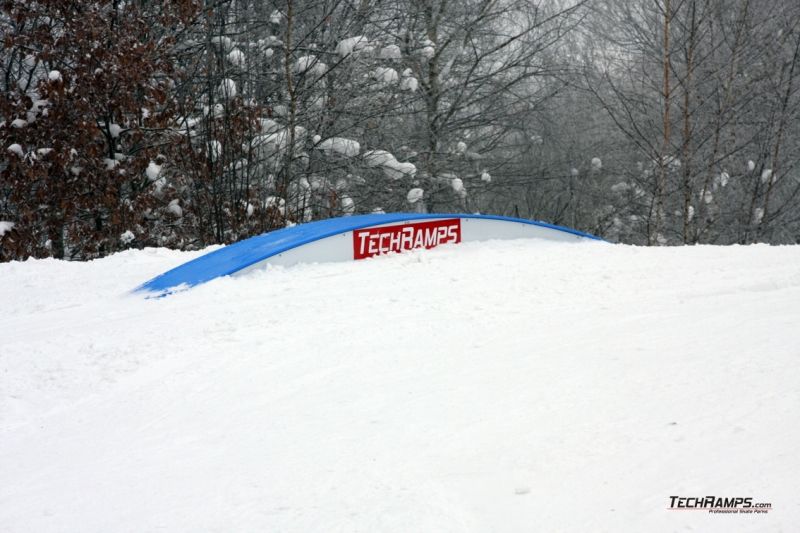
[504, 386]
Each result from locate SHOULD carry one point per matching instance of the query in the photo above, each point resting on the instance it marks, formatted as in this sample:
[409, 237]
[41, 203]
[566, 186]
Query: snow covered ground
[505, 387]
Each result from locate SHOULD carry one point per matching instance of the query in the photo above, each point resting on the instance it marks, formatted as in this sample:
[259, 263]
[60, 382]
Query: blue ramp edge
[240, 255]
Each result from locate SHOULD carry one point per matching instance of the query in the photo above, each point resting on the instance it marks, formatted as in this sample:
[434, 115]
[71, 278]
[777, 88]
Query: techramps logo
[718, 505]
[370, 242]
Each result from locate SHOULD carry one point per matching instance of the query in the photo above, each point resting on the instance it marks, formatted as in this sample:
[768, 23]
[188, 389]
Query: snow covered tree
[195, 122]
[86, 98]
[706, 93]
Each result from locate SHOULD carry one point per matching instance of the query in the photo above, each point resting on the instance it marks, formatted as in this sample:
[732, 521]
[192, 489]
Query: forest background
[126, 124]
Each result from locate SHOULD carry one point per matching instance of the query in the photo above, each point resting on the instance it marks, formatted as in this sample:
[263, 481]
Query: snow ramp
[353, 238]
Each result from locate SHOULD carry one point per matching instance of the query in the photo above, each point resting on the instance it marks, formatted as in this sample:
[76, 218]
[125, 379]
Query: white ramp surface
[506, 386]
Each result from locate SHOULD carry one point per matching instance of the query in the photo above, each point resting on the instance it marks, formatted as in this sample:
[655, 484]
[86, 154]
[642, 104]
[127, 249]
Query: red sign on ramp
[369, 242]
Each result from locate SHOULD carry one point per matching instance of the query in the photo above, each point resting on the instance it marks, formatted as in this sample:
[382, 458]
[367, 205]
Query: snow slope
[506, 387]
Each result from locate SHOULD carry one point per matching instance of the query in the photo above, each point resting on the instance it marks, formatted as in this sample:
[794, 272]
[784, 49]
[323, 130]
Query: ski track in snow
[505, 386]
